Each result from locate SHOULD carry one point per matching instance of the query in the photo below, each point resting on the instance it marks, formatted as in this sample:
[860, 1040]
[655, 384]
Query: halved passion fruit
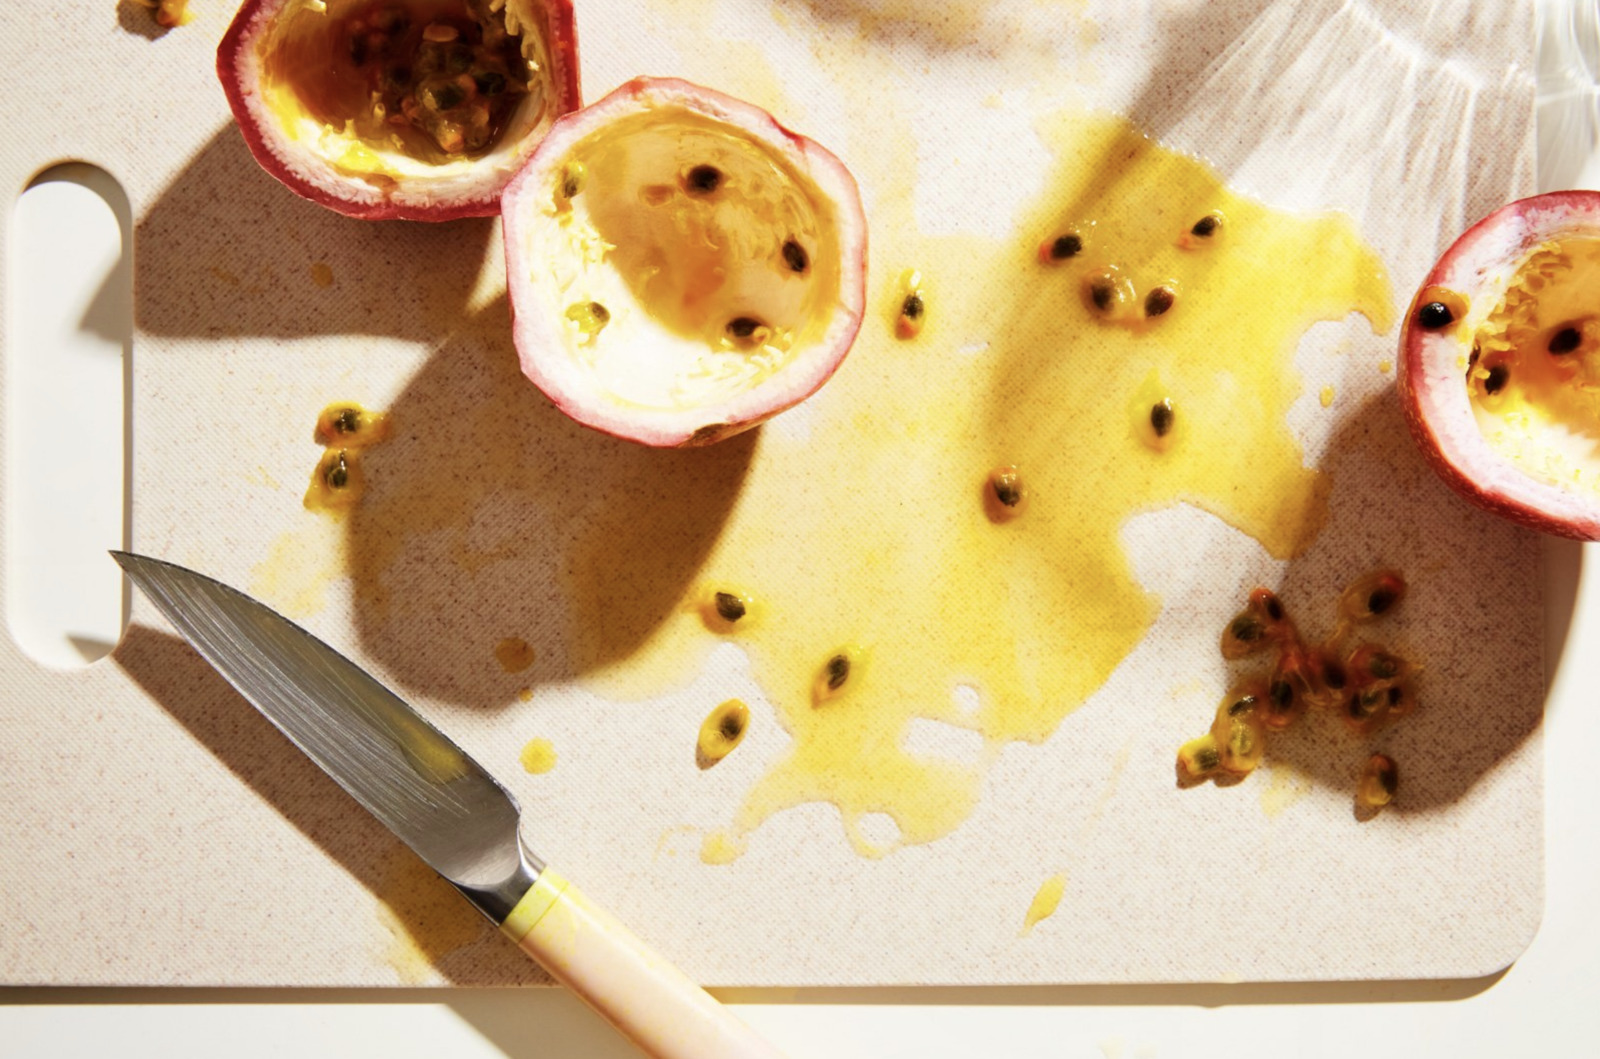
[412, 109]
[1499, 366]
[681, 266]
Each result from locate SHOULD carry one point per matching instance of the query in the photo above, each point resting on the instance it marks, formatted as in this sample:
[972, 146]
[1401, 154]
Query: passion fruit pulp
[681, 267]
[407, 109]
[1499, 366]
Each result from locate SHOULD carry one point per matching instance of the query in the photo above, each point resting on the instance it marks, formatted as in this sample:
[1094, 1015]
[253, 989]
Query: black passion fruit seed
[721, 731]
[743, 327]
[702, 180]
[573, 175]
[913, 308]
[1199, 757]
[1496, 381]
[337, 474]
[1060, 248]
[1007, 485]
[1103, 294]
[729, 606]
[1003, 494]
[1206, 226]
[836, 674]
[1159, 300]
[837, 671]
[795, 256]
[1565, 341]
[348, 421]
[1379, 782]
[590, 317]
[1434, 315]
[1247, 630]
[1161, 417]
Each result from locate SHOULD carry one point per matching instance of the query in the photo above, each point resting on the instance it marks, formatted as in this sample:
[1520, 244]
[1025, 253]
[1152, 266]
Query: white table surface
[1546, 1004]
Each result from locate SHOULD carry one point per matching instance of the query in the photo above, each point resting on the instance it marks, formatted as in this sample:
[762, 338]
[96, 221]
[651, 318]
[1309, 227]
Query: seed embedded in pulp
[1496, 380]
[702, 180]
[1379, 782]
[1439, 307]
[1435, 315]
[724, 608]
[1159, 300]
[795, 256]
[1199, 758]
[573, 176]
[1161, 417]
[337, 474]
[591, 317]
[1069, 244]
[722, 730]
[1207, 226]
[744, 328]
[1565, 341]
[1003, 494]
[836, 675]
[729, 606]
[1371, 596]
[350, 426]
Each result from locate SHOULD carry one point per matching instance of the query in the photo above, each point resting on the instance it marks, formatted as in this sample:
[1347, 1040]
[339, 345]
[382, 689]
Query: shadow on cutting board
[433, 928]
[210, 266]
[489, 513]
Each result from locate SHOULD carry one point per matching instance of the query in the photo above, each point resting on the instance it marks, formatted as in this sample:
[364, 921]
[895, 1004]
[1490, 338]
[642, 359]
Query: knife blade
[445, 806]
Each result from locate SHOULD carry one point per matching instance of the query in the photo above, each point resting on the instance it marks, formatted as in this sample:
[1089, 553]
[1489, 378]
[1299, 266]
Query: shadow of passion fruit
[681, 267]
[1499, 365]
[409, 109]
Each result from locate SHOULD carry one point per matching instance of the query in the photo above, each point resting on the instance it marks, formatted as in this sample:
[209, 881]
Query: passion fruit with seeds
[1499, 366]
[727, 253]
[399, 109]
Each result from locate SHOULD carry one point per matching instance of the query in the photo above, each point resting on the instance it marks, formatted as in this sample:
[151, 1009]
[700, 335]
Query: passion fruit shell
[399, 109]
[1499, 373]
[681, 267]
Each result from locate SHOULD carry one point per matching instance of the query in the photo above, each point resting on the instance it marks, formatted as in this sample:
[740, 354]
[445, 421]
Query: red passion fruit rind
[1499, 364]
[681, 267]
[399, 109]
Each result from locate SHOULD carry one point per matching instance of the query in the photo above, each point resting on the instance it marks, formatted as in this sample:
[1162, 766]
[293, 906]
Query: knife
[446, 807]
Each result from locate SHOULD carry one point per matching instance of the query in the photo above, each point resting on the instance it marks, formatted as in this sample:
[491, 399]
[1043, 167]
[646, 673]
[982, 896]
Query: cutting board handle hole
[68, 361]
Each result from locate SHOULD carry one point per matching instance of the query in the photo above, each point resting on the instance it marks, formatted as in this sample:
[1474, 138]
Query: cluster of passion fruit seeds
[343, 429]
[1368, 685]
[455, 78]
[697, 182]
[726, 611]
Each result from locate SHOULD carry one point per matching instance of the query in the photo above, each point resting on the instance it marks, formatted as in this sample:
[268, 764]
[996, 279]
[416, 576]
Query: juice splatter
[538, 756]
[1044, 903]
[872, 529]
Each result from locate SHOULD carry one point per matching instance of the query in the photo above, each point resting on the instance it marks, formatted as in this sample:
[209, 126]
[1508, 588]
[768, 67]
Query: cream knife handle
[648, 999]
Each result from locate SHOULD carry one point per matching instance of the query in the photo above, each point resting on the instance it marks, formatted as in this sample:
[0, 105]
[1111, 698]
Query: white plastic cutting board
[155, 831]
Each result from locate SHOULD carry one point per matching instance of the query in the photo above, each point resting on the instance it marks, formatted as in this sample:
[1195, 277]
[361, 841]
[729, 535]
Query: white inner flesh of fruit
[1544, 412]
[673, 269]
[309, 83]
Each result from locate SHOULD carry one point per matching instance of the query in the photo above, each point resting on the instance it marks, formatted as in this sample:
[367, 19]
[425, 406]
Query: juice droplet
[538, 757]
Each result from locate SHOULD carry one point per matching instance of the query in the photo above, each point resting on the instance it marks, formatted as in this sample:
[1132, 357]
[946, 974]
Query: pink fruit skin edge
[561, 41]
[1448, 436]
[819, 160]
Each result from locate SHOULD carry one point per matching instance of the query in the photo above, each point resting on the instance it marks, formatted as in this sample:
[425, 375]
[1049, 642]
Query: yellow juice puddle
[299, 565]
[1385, 366]
[1285, 786]
[873, 531]
[538, 757]
[1044, 903]
[514, 654]
[425, 916]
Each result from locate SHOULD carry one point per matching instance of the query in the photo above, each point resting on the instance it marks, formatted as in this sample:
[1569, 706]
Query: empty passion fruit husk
[681, 267]
[399, 109]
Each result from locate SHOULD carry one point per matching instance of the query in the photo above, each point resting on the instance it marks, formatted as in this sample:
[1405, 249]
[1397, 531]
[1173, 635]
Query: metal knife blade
[407, 773]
